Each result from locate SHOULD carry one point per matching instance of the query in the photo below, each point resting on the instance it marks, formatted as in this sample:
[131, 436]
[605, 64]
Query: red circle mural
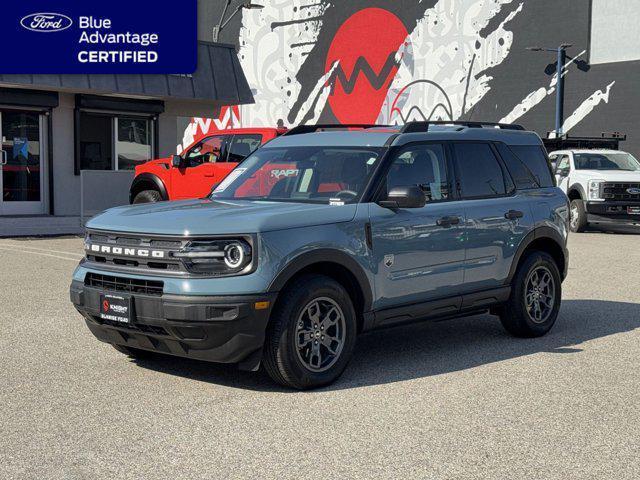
[365, 46]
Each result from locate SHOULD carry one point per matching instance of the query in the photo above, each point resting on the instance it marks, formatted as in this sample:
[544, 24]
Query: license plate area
[115, 307]
[635, 210]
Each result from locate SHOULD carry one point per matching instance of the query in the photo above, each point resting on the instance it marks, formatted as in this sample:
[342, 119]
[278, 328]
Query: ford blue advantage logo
[46, 22]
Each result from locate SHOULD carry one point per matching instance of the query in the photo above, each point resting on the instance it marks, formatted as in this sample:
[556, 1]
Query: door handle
[447, 221]
[513, 214]
[3, 159]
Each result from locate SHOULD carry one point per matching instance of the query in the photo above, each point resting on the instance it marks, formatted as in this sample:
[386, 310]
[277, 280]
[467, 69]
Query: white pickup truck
[603, 186]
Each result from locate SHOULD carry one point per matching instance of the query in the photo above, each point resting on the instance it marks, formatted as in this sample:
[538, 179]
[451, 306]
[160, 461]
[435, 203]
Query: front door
[21, 163]
[418, 253]
[204, 165]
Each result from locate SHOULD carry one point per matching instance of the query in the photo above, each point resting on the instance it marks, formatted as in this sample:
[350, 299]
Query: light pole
[561, 53]
[223, 23]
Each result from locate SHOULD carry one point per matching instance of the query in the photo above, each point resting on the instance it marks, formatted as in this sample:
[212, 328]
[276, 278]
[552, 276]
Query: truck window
[242, 145]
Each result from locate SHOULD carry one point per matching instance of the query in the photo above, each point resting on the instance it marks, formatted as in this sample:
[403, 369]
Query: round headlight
[234, 255]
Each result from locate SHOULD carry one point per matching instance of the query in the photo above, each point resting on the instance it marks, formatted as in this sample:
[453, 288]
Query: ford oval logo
[633, 191]
[46, 22]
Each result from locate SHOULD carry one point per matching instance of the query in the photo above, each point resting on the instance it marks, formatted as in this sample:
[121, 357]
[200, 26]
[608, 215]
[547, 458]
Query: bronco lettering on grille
[129, 252]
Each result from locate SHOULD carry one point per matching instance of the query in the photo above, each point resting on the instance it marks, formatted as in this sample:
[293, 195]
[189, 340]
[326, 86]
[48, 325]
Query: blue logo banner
[110, 36]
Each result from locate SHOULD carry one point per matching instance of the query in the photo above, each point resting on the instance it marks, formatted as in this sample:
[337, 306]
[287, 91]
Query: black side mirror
[563, 172]
[410, 196]
[176, 161]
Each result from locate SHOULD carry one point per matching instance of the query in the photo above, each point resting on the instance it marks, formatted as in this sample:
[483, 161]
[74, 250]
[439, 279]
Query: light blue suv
[321, 235]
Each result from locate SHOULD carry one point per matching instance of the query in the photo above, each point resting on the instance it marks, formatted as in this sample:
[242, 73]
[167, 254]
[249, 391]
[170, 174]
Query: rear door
[204, 166]
[497, 215]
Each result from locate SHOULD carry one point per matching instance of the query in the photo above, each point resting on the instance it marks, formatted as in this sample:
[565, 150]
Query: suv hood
[212, 217]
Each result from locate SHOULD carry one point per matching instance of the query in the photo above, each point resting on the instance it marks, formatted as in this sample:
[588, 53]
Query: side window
[422, 165]
[522, 176]
[479, 171]
[208, 150]
[534, 158]
[242, 145]
[563, 163]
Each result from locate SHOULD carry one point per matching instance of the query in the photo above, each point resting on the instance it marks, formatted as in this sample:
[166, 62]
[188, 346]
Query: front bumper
[612, 213]
[225, 329]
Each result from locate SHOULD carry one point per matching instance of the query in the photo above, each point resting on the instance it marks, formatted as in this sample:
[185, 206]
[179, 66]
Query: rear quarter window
[535, 159]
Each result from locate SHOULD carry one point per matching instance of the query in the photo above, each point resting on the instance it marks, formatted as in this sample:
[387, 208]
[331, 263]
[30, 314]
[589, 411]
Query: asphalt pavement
[454, 399]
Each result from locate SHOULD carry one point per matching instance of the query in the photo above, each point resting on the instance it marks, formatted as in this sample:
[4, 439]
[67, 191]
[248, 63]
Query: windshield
[606, 161]
[335, 175]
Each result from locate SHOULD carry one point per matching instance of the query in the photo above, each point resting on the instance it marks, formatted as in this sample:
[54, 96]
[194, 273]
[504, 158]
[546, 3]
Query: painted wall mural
[392, 61]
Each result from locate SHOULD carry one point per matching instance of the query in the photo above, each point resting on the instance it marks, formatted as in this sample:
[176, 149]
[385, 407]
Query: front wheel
[535, 298]
[578, 216]
[311, 335]
[147, 196]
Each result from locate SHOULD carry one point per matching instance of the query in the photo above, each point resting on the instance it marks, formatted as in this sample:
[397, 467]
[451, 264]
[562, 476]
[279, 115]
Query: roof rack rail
[329, 126]
[423, 126]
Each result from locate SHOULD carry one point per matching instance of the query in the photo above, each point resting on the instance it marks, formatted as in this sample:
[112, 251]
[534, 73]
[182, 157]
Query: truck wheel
[578, 222]
[147, 196]
[311, 335]
[536, 292]
[133, 352]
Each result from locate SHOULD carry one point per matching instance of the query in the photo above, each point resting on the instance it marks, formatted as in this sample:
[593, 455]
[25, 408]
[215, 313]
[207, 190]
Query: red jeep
[202, 165]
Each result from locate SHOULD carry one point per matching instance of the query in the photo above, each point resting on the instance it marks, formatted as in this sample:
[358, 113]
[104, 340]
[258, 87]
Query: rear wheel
[578, 222]
[534, 303]
[311, 335]
[147, 196]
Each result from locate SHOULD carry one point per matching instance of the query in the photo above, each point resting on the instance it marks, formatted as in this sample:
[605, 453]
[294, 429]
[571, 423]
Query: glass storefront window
[134, 142]
[20, 133]
[114, 142]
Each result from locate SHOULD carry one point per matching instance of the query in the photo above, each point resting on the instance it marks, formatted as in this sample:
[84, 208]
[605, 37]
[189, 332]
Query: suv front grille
[123, 284]
[618, 191]
[122, 242]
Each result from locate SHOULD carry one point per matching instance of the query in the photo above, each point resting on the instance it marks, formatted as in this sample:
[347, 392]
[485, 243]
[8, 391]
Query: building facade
[69, 141]
[389, 61]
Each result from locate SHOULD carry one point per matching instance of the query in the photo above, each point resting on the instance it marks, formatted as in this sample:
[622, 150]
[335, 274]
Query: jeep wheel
[578, 222]
[311, 335]
[133, 352]
[147, 196]
[534, 303]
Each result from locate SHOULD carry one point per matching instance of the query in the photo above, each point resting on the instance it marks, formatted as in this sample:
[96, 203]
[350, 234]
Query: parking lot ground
[454, 399]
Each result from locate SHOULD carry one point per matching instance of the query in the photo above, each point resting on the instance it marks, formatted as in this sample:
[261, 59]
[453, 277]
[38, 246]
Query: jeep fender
[540, 233]
[326, 255]
[147, 179]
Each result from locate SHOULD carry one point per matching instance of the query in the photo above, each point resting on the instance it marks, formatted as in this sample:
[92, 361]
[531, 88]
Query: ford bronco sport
[203, 164]
[364, 229]
[603, 187]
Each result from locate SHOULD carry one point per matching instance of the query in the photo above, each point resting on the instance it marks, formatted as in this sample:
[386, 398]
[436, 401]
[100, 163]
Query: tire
[133, 352]
[578, 215]
[516, 316]
[292, 320]
[147, 196]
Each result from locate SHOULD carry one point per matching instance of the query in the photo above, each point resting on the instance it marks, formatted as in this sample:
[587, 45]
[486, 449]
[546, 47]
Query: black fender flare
[537, 234]
[325, 255]
[579, 189]
[148, 178]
